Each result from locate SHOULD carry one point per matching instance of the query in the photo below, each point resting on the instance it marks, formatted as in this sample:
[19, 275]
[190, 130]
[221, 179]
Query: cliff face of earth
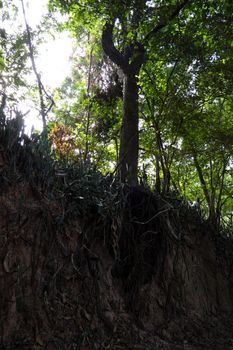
[155, 276]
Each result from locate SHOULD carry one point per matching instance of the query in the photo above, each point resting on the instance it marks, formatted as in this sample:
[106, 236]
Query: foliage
[88, 193]
[185, 97]
[13, 54]
[62, 141]
[23, 157]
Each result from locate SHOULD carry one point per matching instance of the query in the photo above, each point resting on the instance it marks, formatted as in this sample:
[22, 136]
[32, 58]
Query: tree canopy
[150, 96]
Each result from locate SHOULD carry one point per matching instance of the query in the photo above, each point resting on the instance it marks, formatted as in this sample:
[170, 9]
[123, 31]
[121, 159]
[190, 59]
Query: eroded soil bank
[154, 276]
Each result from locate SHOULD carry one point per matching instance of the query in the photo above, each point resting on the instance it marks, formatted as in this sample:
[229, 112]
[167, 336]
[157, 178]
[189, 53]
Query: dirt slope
[155, 277]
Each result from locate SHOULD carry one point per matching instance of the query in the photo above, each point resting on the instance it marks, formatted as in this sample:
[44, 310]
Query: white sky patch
[52, 62]
[54, 65]
[35, 9]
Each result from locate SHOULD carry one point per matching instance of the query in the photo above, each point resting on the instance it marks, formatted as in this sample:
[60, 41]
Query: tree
[176, 62]
[13, 55]
[18, 48]
[129, 28]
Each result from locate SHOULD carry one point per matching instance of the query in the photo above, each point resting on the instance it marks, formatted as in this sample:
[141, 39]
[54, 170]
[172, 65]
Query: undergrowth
[82, 190]
[78, 186]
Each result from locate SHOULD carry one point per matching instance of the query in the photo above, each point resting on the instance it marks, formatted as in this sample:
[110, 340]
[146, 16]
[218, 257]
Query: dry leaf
[39, 340]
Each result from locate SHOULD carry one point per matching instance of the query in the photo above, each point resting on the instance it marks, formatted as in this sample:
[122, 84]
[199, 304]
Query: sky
[53, 61]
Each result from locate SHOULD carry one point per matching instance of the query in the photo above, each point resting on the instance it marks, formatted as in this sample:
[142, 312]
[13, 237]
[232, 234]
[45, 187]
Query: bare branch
[43, 109]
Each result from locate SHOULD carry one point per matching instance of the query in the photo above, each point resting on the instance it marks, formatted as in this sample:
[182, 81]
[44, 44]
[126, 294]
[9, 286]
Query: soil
[155, 277]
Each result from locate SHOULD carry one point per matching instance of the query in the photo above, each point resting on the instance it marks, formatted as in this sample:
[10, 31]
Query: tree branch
[109, 48]
[201, 178]
[161, 25]
[44, 110]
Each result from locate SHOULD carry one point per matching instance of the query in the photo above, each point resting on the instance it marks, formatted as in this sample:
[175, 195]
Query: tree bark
[129, 145]
[130, 63]
[209, 195]
[88, 112]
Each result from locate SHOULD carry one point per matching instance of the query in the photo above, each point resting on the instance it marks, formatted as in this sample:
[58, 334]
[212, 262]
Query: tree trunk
[130, 63]
[88, 112]
[209, 195]
[129, 146]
